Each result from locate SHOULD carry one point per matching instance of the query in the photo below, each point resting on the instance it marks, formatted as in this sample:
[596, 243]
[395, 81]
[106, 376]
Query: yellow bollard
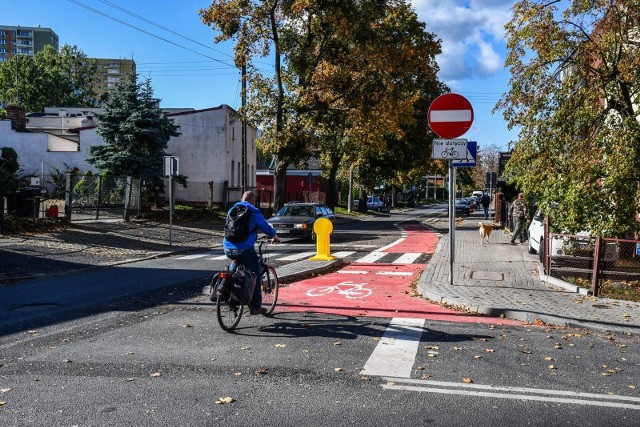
[323, 228]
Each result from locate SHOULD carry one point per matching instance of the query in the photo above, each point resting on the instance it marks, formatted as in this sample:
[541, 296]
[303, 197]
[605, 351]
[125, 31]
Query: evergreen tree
[9, 168]
[135, 130]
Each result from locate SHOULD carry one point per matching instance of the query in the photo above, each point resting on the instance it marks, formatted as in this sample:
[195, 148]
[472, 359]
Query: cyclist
[244, 251]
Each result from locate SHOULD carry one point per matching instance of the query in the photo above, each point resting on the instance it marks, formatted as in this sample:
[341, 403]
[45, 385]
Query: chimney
[18, 118]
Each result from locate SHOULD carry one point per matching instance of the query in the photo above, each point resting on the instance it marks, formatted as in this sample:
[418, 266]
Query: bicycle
[228, 308]
[450, 152]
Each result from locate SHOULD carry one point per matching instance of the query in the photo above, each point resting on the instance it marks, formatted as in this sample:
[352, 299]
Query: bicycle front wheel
[269, 287]
[229, 311]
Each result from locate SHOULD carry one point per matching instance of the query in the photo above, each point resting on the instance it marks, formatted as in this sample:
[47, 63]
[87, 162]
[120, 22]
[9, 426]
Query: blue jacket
[256, 223]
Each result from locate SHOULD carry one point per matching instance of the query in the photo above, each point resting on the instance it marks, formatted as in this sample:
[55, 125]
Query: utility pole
[244, 128]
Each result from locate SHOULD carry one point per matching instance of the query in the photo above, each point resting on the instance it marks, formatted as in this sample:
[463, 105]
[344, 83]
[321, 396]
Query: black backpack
[236, 229]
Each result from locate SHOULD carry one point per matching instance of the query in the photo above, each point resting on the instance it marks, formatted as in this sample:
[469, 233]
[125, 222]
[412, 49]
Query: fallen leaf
[426, 376]
[224, 400]
[419, 368]
[552, 367]
[156, 374]
[32, 332]
[337, 343]
[67, 360]
[2, 403]
[489, 350]
[337, 369]
[281, 345]
[632, 387]
[432, 354]
[477, 357]
[4, 390]
[262, 371]
[237, 374]
[457, 348]
[525, 351]
[549, 358]
[129, 379]
[432, 347]
[376, 339]
[467, 380]
[187, 325]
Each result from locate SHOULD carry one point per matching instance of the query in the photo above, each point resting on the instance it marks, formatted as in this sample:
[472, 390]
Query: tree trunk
[279, 178]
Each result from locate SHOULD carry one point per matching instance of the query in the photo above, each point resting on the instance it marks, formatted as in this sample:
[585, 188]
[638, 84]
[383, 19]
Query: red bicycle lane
[376, 290]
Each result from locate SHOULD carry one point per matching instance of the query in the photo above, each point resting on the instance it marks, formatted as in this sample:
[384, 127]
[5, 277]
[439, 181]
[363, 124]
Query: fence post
[127, 199]
[597, 271]
[68, 197]
[546, 245]
[210, 201]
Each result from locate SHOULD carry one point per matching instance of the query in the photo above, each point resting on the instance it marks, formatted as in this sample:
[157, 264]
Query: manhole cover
[487, 275]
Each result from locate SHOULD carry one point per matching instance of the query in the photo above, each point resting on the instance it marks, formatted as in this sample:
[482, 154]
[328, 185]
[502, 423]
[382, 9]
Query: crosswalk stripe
[195, 256]
[218, 258]
[396, 351]
[372, 257]
[298, 256]
[343, 254]
[407, 258]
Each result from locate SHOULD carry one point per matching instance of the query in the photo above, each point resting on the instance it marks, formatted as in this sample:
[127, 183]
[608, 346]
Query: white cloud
[472, 34]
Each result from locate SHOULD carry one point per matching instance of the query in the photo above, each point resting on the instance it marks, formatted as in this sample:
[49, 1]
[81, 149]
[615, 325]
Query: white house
[210, 153]
[209, 148]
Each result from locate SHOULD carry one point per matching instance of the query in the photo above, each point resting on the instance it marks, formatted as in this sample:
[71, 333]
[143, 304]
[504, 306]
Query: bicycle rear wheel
[269, 287]
[229, 311]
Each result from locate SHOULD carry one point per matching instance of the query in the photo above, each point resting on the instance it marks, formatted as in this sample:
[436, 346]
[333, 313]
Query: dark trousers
[519, 230]
[249, 258]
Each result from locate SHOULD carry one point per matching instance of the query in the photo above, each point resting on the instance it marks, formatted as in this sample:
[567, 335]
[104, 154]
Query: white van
[477, 193]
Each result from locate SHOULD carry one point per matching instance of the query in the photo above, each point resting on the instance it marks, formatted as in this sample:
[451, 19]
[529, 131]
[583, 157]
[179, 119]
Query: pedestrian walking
[518, 212]
[485, 201]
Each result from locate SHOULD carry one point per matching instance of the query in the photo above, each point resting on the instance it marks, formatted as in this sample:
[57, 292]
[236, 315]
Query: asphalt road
[148, 351]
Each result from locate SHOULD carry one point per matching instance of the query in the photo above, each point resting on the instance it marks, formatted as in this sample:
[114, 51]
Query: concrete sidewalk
[499, 279]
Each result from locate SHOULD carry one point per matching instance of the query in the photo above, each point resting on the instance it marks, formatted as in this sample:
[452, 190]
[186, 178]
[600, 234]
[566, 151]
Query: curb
[561, 283]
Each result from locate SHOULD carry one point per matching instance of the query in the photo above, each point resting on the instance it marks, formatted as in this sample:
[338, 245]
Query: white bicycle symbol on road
[348, 289]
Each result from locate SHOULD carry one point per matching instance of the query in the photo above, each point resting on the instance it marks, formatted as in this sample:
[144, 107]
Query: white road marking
[353, 272]
[396, 351]
[384, 248]
[511, 393]
[394, 273]
[297, 256]
[219, 258]
[195, 256]
[343, 254]
[371, 257]
[407, 258]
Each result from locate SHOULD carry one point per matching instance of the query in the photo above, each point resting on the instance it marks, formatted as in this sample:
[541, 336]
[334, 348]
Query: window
[3, 50]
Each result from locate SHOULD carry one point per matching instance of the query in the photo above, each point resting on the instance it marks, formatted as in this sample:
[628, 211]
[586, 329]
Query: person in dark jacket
[518, 212]
[485, 201]
[244, 252]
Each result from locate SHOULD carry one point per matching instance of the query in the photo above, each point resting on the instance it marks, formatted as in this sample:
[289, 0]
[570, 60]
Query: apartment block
[110, 72]
[16, 40]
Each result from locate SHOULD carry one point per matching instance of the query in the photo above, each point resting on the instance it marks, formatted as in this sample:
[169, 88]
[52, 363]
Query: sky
[171, 45]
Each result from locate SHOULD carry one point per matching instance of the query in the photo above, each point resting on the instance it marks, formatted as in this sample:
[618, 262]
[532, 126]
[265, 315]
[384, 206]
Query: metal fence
[606, 266]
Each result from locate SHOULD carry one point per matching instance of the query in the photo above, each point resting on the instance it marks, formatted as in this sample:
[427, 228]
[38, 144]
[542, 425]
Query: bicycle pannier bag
[236, 229]
[243, 285]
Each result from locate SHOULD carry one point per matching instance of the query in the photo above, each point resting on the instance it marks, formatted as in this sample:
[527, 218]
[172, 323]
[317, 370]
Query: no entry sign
[450, 115]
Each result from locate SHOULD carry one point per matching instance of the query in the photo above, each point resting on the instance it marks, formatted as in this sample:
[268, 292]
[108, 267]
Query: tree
[136, 132]
[573, 93]
[486, 161]
[49, 78]
[9, 168]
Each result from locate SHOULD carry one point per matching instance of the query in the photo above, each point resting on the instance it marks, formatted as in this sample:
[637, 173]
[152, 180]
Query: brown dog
[485, 231]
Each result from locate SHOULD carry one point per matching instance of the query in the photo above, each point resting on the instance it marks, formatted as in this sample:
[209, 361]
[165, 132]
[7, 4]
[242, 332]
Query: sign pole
[452, 219]
[170, 206]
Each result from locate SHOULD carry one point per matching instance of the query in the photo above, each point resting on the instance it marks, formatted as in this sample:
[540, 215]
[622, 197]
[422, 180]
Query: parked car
[563, 246]
[462, 207]
[297, 219]
[373, 204]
